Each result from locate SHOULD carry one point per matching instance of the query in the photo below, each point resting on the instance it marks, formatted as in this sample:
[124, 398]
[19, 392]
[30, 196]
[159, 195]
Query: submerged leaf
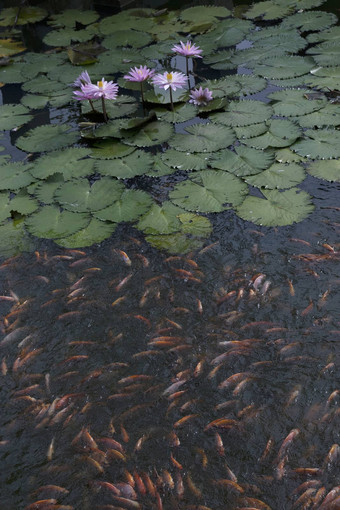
[278, 208]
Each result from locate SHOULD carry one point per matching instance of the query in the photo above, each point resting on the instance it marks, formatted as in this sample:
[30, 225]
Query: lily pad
[319, 144]
[21, 16]
[290, 42]
[180, 113]
[278, 208]
[209, 191]
[14, 239]
[161, 219]
[326, 54]
[47, 138]
[195, 224]
[21, 203]
[280, 133]
[50, 223]
[14, 176]
[322, 78]
[251, 131]
[78, 196]
[45, 190]
[291, 103]
[308, 21]
[110, 149]
[70, 162]
[137, 163]
[327, 116]
[327, 170]
[243, 113]
[128, 207]
[95, 232]
[10, 47]
[284, 67]
[42, 85]
[13, 115]
[65, 36]
[268, 10]
[70, 18]
[153, 133]
[244, 161]
[201, 13]
[134, 38]
[203, 138]
[185, 160]
[278, 176]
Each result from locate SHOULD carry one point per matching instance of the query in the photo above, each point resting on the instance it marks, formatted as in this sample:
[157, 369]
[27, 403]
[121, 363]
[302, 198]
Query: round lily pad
[70, 162]
[244, 161]
[13, 115]
[277, 208]
[161, 219]
[243, 113]
[280, 133]
[110, 149]
[307, 21]
[47, 138]
[329, 170]
[185, 160]
[50, 223]
[203, 138]
[319, 144]
[130, 205]
[268, 10]
[278, 176]
[153, 133]
[291, 103]
[137, 163]
[284, 67]
[14, 176]
[209, 191]
[95, 232]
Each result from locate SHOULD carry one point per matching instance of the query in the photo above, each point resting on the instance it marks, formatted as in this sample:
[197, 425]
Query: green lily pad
[79, 196]
[56, 100]
[319, 144]
[9, 16]
[70, 18]
[245, 161]
[95, 232]
[280, 133]
[287, 156]
[291, 103]
[195, 224]
[203, 138]
[161, 96]
[254, 57]
[290, 42]
[284, 67]
[327, 116]
[131, 37]
[13, 115]
[209, 191]
[323, 78]
[326, 54]
[185, 160]
[244, 132]
[129, 207]
[278, 176]
[114, 109]
[180, 113]
[159, 169]
[47, 138]
[22, 203]
[110, 149]
[14, 176]
[268, 10]
[332, 34]
[137, 163]
[327, 170]
[42, 85]
[161, 219]
[14, 239]
[9, 47]
[45, 190]
[308, 21]
[70, 162]
[153, 133]
[278, 208]
[201, 13]
[50, 223]
[243, 113]
[65, 36]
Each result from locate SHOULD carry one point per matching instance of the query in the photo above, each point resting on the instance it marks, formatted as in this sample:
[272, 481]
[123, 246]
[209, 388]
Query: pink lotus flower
[83, 79]
[187, 50]
[85, 94]
[200, 97]
[141, 74]
[104, 89]
[173, 80]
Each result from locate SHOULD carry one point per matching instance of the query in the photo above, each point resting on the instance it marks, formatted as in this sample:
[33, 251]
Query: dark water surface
[133, 379]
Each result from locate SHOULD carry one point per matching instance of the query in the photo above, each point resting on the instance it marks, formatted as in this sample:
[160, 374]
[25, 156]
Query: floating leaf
[70, 18]
[161, 219]
[305, 21]
[291, 103]
[110, 149]
[324, 78]
[45, 190]
[202, 138]
[195, 225]
[159, 169]
[79, 196]
[278, 208]
[185, 160]
[268, 10]
[50, 223]
[284, 67]
[278, 176]
[180, 113]
[209, 191]
[21, 15]
[130, 37]
[14, 176]
[328, 170]
[290, 42]
[47, 137]
[153, 133]
[253, 57]
[65, 36]
[95, 232]
[42, 85]
[244, 132]
[128, 207]
[245, 161]
[39, 63]
[201, 13]
[243, 113]
[287, 156]
[21, 203]
[280, 133]
[70, 162]
[332, 34]
[326, 54]
[57, 99]
[320, 144]
[9, 47]
[137, 163]
[13, 115]
[327, 116]
[163, 96]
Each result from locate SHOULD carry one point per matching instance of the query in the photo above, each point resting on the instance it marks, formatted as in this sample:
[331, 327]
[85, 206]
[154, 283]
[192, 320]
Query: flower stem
[141, 91]
[171, 101]
[92, 105]
[187, 65]
[104, 109]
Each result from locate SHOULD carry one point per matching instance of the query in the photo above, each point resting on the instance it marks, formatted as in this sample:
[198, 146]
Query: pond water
[189, 366]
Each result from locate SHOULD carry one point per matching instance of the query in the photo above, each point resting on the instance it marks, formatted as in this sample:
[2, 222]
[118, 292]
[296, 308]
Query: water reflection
[135, 380]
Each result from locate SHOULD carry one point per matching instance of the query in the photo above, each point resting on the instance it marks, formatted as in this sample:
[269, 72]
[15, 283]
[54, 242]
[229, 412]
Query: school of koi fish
[132, 382]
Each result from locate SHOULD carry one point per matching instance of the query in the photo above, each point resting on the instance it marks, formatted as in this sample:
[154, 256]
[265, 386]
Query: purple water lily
[200, 97]
[171, 81]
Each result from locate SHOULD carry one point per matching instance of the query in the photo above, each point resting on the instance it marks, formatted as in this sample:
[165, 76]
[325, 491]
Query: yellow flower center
[100, 84]
[139, 71]
[169, 76]
[188, 46]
